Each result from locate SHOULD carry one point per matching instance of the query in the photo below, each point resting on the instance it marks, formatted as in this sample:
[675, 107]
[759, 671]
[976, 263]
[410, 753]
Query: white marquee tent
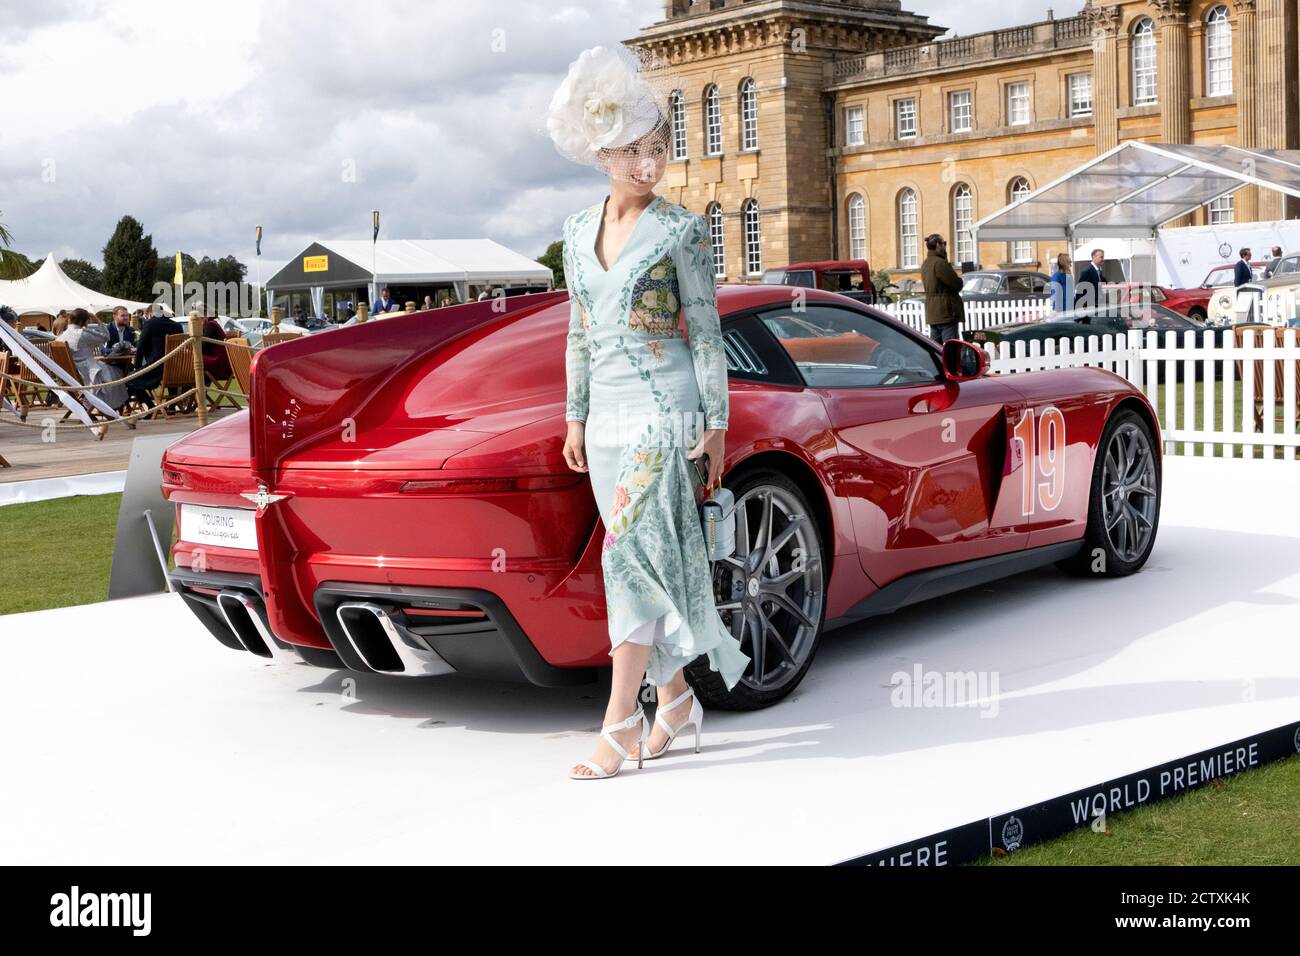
[1130, 191]
[49, 289]
[459, 263]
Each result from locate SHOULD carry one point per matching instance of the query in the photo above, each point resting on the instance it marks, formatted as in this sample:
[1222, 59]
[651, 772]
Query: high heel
[696, 719]
[608, 731]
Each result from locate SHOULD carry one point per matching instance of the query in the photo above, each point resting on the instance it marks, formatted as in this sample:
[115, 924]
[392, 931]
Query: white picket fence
[979, 315]
[1230, 400]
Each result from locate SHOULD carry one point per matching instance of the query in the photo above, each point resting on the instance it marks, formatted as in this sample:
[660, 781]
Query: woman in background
[85, 338]
[1062, 284]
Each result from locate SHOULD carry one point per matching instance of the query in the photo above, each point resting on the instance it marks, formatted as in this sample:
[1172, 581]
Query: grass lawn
[58, 552]
[1198, 397]
[1250, 819]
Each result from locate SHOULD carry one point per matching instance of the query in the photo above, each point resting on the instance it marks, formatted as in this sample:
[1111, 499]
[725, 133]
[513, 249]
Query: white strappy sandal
[696, 718]
[608, 731]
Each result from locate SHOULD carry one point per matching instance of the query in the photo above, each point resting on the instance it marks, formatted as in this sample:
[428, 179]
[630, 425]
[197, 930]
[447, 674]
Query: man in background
[944, 309]
[1241, 273]
[385, 302]
[1087, 290]
[151, 346]
[119, 330]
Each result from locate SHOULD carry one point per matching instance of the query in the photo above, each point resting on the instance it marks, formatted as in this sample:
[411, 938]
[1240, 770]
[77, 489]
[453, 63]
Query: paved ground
[132, 737]
[76, 451]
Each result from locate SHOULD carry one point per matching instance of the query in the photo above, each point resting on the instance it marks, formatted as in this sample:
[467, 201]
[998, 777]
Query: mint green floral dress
[646, 392]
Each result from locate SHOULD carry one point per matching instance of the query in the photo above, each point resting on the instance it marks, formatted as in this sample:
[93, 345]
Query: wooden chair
[275, 338]
[178, 372]
[31, 392]
[241, 363]
[1259, 334]
[225, 385]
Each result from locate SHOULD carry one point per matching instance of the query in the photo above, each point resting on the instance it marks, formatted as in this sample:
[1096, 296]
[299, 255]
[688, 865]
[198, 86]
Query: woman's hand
[575, 451]
[712, 443]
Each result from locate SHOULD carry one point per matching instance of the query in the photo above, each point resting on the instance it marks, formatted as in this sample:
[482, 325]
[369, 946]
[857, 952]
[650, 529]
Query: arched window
[1218, 53]
[909, 255]
[753, 238]
[857, 227]
[678, 106]
[1144, 62]
[963, 217]
[716, 240]
[1021, 250]
[748, 114]
[712, 121]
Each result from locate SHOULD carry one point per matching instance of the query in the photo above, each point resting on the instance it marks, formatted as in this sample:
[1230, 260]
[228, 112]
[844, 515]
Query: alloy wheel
[769, 592]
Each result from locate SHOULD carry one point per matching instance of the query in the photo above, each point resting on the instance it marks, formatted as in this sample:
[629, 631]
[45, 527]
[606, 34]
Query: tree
[553, 259]
[165, 271]
[79, 270]
[13, 265]
[130, 262]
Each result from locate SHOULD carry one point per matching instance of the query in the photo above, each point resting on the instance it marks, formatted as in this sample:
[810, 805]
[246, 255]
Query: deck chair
[241, 364]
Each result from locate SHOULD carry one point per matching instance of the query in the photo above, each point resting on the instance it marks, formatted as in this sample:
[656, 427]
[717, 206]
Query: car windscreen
[835, 347]
[980, 283]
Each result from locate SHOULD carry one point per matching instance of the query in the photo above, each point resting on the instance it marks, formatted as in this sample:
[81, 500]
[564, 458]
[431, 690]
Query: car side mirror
[963, 361]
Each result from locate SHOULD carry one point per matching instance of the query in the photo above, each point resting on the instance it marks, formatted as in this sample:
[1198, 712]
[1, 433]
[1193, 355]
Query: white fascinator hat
[612, 110]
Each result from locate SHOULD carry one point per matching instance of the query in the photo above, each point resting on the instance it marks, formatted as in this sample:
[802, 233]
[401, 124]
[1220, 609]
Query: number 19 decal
[1044, 460]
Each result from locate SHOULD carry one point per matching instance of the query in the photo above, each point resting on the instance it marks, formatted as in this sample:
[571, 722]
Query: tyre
[1124, 502]
[771, 593]
[1196, 313]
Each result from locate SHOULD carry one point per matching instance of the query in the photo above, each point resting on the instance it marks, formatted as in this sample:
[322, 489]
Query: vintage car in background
[440, 531]
[1222, 296]
[1005, 285]
[1274, 300]
[848, 277]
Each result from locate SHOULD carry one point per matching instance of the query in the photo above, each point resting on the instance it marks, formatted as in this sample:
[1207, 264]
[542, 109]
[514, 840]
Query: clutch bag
[717, 520]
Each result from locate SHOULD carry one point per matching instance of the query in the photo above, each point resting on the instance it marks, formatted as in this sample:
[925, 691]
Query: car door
[922, 461]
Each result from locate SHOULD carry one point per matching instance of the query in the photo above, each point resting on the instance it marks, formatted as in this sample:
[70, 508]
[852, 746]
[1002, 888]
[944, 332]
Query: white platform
[131, 736]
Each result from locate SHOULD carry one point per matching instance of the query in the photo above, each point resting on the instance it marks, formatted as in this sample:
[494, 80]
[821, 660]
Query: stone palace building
[817, 129]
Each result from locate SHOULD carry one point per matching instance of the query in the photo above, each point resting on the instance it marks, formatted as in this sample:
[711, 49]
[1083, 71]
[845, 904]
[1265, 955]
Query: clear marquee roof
[1127, 192]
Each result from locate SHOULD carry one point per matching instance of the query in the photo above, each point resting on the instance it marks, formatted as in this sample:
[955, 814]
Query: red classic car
[396, 500]
[1193, 303]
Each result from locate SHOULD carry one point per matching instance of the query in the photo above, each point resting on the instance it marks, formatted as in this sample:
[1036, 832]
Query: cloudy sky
[202, 120]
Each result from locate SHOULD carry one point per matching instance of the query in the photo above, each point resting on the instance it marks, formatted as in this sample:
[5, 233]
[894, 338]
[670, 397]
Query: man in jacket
[1241, 273]
[152, 346]
[1087, 291]
[119, 330]
[944, 309]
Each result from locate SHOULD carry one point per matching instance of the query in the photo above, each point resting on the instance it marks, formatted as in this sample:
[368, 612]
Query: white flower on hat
[600, 104]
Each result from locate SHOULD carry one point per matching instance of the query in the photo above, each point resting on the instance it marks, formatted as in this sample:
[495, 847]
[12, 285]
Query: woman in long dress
[646, 401]
[86, 339]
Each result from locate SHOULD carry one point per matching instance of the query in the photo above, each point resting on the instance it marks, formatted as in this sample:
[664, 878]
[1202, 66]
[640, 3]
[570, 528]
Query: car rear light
[477, 486]
[173, 477]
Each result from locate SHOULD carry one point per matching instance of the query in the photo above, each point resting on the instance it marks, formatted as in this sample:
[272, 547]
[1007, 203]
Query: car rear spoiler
[304, 389]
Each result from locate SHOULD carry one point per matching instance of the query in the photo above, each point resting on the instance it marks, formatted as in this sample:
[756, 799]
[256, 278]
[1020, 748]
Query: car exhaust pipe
[244, 618]
[384, 644]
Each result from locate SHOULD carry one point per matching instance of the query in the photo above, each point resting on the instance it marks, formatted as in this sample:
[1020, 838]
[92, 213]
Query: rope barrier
[88, 388]
[229, 344]
[111, 421]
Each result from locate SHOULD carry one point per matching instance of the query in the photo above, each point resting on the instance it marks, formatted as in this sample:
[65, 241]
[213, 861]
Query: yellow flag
[178, 278]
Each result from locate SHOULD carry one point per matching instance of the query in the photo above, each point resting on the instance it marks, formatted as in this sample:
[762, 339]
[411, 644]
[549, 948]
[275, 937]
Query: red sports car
[396, 500]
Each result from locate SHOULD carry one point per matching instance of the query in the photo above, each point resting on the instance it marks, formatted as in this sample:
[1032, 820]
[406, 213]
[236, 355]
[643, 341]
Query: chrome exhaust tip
[244, 618]
[384, 645]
